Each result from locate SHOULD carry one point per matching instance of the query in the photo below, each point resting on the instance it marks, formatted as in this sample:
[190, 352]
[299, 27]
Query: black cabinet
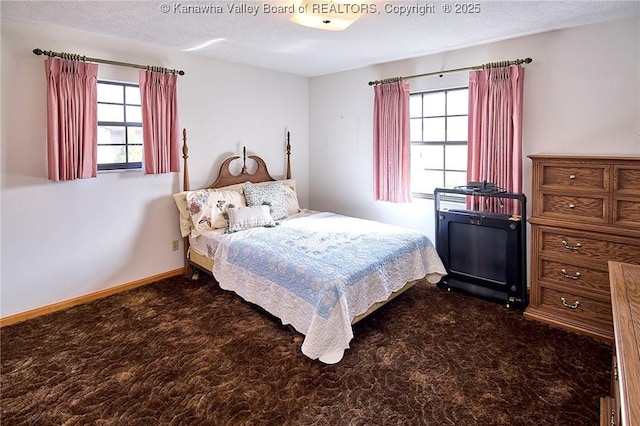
[484, 252]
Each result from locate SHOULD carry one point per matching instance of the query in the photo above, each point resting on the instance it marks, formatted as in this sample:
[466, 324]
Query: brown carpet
[178, 352]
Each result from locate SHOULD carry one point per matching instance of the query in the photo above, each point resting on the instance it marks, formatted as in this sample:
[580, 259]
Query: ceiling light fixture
[203, 45]
[333, 15]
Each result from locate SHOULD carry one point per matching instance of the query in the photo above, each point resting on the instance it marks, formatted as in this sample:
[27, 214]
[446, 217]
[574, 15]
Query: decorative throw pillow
[241, 218]
[206, 208]
[288, 185]
[271, 194]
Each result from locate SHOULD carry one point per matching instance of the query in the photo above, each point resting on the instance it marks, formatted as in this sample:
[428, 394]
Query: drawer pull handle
[572, 206]
[572, 177]
[615, 370]
[566, 305]
[570, 247]
[573, 277]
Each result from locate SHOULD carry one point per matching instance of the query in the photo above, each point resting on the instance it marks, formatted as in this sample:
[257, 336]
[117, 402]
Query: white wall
[62, 240]
[582, 95]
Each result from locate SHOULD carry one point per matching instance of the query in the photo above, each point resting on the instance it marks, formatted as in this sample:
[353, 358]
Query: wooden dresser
[623, 407]
[585, 212]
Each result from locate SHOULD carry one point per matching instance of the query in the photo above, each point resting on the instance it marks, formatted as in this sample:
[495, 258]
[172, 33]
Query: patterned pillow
[271, 194]
[207, 208]
[288, 185]
[241, 218]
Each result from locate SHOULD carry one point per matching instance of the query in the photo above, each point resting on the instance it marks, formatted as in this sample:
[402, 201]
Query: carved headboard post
[188, 269]
[185, 154]
[288, 156]
[244, 161]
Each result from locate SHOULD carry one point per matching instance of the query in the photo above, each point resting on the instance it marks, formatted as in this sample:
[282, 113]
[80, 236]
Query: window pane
[133, 95]
[135, 135]
[415, 106]
[119, 143]
[415, 129]
[426, 181]
[458, 102]
[457, 129]
[110, 93]
[433, 129]
[438, 139]
[456, 157]
[453, 179]
[433, 104]
[110, 135]
[110, 112]
[111, 154]
[135, 153]
[427, 157]
[134, 114]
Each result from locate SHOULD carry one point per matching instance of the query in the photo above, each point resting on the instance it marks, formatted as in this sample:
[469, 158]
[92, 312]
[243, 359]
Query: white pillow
[186, 225]
[241, 218]
[291, 197]
[207, 207]
[271, 193]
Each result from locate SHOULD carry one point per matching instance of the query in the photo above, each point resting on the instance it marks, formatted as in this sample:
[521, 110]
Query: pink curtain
[158, 93]
[495, 134]
[392, 148]
[72, 132]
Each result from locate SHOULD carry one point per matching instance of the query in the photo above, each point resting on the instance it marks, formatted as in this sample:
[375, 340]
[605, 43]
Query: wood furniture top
[625, 303]
[621, 157]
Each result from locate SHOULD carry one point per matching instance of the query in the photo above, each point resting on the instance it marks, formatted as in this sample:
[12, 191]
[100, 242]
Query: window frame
[444, 143]
[133, 165]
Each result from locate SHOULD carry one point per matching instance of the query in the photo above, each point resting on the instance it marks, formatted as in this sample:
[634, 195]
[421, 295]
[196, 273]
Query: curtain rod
[75, 57]
[477, 67]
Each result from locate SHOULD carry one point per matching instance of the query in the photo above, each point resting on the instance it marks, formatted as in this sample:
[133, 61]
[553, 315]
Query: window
[119, 126]
[439, 126]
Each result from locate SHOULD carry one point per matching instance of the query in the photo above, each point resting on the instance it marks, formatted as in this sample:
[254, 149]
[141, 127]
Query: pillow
[288, 185]
[207, 207]
[291, 196]
[271, 194]
[185, 219]
[241, 218]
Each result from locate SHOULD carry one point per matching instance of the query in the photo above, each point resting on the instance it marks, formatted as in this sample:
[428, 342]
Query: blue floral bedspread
[319, 271]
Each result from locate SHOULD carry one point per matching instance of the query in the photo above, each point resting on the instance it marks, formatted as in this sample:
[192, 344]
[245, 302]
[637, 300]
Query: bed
[318, 272]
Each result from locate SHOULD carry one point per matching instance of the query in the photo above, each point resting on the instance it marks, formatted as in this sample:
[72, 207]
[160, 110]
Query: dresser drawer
[566, 274]
[626, 212]
[576, 309]
[627, 180]
[585, 246]
[573, 176]
[575, 208]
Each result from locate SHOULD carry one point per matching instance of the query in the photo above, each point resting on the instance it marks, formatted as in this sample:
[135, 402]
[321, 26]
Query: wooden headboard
[225, 177]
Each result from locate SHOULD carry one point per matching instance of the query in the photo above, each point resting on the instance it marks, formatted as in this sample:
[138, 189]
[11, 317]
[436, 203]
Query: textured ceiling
[255, 33]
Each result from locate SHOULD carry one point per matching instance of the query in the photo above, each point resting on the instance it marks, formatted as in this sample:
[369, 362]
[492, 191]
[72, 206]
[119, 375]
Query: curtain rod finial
[528, 60]
[38, 51]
